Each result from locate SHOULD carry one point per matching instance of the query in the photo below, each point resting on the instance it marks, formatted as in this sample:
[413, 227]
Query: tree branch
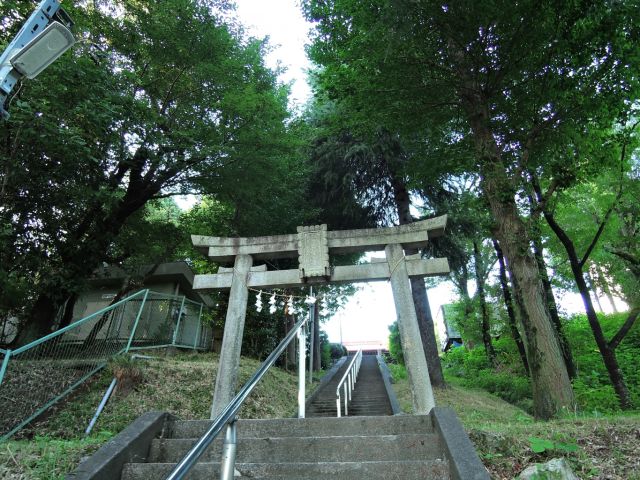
[623, 154]
[624, 329]
[601, 228]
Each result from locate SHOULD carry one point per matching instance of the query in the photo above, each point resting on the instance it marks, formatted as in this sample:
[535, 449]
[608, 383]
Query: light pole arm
[47, 11]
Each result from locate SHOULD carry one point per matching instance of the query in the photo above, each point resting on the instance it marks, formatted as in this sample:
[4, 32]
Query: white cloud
[283, 23]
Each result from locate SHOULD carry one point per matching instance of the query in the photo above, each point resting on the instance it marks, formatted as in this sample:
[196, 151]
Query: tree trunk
[463, 290]
[419, 293]
[67, 315]
[538, 253]
[486, 326]
[128, 285]
[427, 332]
[552, 390]
[608, 353]
[39, 321]
[519, 303]
[592, 288]
[508, 301]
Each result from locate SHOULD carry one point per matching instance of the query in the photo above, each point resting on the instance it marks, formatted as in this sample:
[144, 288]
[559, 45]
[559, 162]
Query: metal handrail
[228, 416]
[348, 382]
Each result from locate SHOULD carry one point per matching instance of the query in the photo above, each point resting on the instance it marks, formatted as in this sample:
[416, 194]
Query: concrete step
[310, 449]
[368, 398]
[425, 470]
[319, 427]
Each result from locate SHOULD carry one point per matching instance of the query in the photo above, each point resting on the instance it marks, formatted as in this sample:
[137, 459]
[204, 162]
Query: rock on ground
[556, 469]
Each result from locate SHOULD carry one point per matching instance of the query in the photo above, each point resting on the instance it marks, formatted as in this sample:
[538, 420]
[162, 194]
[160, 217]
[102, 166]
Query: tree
[372, 171]
[517, 76]
[578, 261]
[157, 113]
[510, 306]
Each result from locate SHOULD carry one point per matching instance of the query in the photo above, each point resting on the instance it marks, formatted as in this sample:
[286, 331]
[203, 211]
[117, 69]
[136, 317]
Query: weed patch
[508, 439]
[181, 384]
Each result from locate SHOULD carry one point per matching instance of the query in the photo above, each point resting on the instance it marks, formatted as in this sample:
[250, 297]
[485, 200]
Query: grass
[504, 435]
[604, 447]
[51, 447]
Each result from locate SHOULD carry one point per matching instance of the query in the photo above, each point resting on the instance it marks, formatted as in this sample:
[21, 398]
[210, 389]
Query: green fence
[37, 375]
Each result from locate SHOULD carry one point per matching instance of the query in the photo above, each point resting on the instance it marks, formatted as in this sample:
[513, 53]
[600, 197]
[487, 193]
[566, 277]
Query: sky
[283, 23]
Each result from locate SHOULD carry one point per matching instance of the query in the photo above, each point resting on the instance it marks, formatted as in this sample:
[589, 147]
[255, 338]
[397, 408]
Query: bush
[471, 368]
[398, 372]
[395, 347]
[330, 353]
[592, 387]
[325, 356]
[337, 351]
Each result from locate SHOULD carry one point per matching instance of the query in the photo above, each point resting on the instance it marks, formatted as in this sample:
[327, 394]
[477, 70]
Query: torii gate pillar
[312, 245]
[410, 338]
[232, 338]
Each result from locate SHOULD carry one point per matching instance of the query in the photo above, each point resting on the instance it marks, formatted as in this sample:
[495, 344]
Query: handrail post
[175, 332]
[346, 401]
[348, 384]
[198, 329]
[302, 347]
[229, 414]
[228, 463]
[135, 324]
[5, 362]
[312, 334]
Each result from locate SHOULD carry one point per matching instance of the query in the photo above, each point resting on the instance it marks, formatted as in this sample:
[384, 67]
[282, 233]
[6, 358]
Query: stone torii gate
[312, 245]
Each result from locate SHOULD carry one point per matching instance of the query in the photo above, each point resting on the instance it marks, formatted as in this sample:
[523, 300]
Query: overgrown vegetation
[593, 390]
[182, 384]
[508, 439]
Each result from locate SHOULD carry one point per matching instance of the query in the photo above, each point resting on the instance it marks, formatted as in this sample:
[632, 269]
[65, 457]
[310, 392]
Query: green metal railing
[39, 374]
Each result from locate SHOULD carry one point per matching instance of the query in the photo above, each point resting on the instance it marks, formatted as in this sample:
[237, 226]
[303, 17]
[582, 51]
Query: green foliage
[395, 346]
[337, 351]
[398, 371]
[614, 263]
[471, 368]
[131, 115]
[541, 445]
[325, 356]
[512, 81]
[592, 387]
[49, 458]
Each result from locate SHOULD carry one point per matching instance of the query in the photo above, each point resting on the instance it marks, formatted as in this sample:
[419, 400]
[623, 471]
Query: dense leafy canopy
[533, 90]
[156, 100]
[509, 117]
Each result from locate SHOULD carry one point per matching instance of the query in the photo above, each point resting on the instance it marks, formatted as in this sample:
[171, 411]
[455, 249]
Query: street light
[43, 50]
[41, 40]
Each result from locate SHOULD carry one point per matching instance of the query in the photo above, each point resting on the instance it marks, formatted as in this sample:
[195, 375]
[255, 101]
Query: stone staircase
[369, 398]
[380, 447]
[402, 447]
